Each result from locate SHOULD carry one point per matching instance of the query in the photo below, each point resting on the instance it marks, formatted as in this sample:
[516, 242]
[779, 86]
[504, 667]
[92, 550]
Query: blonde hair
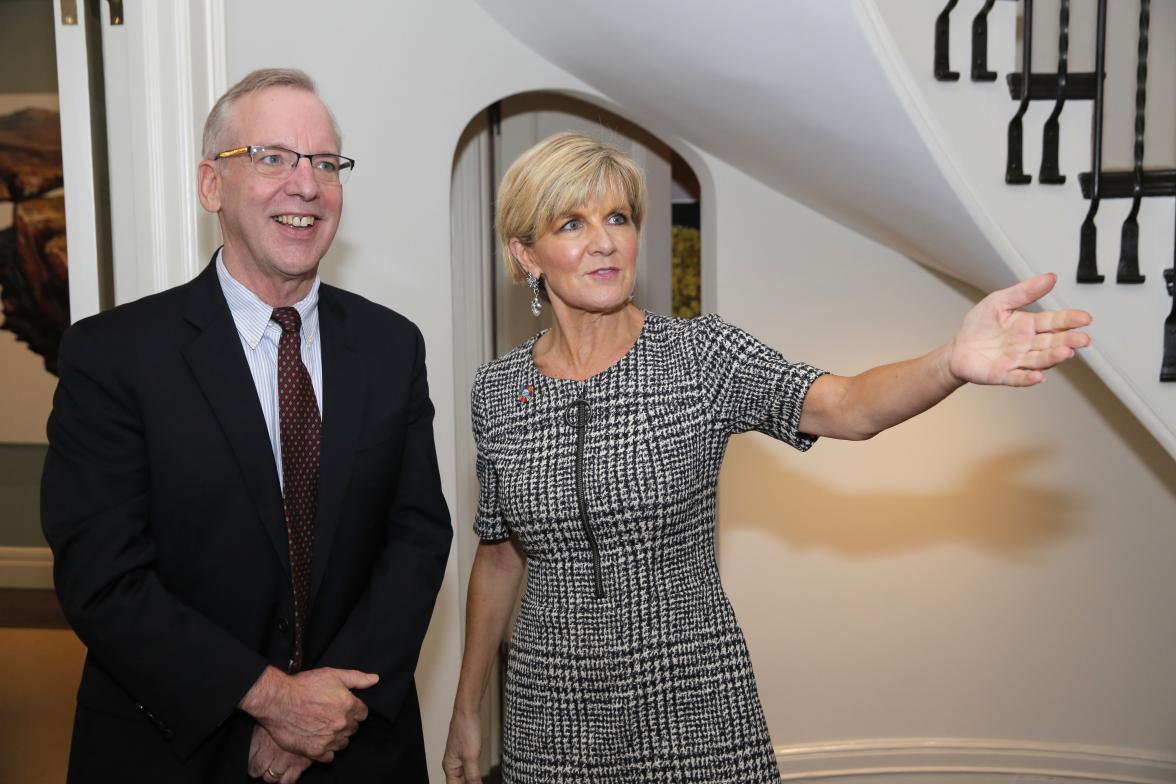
[261, 79]
[553, 178]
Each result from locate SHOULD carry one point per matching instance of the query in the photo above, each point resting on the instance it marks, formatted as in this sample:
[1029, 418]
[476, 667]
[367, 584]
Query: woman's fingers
[1023, 378]
[1046, 358]
[1058, 320]
[466, 770]
[1046, 340]
[1026, 292]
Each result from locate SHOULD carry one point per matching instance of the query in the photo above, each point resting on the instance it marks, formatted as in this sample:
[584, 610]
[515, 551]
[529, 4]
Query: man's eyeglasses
[279, 163]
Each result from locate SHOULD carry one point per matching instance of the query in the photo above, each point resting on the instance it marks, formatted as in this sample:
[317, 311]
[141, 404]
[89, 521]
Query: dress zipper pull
[579, 415]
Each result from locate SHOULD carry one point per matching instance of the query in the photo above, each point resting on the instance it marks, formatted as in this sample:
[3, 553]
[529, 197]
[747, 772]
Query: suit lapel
[218, 364]
[344, 402]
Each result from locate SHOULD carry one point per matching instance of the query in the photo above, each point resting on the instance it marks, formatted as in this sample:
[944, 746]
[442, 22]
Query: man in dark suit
[241, 491]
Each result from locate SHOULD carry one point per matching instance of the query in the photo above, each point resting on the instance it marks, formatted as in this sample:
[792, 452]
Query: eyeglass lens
[279, 162]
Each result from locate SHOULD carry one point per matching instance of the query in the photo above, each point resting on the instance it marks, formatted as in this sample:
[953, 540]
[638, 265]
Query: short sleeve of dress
[489, 524]
[748, 384]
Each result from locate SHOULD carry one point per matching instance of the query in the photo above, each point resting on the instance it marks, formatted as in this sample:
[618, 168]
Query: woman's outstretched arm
[997, 343]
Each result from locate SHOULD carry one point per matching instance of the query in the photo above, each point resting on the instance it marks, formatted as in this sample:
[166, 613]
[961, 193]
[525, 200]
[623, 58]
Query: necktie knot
[288, 319]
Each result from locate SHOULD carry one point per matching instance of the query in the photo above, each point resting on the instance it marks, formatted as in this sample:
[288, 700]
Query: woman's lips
[607, 273]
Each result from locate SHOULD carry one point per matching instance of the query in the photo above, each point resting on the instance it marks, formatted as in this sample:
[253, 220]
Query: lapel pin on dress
[525, 394]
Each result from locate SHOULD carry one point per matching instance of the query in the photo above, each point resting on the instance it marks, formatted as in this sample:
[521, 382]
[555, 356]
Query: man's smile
[297, 221]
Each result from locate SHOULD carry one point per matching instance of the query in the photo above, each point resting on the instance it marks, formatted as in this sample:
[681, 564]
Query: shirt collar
[252, 316]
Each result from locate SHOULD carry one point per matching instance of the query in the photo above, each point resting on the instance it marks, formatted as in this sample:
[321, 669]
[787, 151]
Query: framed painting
[34, 277]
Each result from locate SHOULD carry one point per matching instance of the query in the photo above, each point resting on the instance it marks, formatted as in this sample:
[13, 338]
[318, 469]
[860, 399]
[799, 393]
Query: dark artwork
[34, 282]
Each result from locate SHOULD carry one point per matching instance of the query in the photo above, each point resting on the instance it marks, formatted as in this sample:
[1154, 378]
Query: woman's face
[588, 257]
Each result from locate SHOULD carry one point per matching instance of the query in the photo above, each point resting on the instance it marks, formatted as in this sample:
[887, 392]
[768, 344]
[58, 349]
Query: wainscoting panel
[971, 761]
[26, 567]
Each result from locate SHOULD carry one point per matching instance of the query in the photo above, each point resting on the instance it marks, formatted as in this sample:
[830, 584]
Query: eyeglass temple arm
[231, 153]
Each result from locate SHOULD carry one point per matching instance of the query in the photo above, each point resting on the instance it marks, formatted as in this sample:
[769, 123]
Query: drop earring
[536, 305]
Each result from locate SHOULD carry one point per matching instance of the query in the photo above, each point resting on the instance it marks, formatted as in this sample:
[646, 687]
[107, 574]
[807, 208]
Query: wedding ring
[270, 776]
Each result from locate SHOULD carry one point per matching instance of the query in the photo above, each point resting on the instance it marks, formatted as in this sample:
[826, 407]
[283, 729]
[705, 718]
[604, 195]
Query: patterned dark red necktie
[301, 431]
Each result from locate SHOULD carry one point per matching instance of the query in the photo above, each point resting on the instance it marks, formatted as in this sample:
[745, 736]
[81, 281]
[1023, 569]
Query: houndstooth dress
[626, 662]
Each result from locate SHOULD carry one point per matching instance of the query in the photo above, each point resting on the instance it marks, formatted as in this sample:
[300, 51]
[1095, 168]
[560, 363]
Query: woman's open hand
[998, 343]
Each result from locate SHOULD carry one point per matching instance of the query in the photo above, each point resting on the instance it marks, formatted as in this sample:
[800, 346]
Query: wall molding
[26, 567]
[973, 760]
[164, 67]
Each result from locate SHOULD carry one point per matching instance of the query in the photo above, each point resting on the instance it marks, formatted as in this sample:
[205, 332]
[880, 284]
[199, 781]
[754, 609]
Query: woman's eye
[571, 225]
[618, 218]
[272, 159]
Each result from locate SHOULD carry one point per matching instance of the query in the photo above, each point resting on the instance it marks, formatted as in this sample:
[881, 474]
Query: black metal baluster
[1168, 366]
[943, 70]
[1014, 169]
[1088, 241]
[1049, 173]
[1129, 242]
[980, 72]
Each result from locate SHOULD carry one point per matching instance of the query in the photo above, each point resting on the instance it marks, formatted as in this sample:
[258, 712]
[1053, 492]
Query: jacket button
[283, 625]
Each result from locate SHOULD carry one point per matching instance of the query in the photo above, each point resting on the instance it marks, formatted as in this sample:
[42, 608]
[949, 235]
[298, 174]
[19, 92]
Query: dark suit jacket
[161, 502]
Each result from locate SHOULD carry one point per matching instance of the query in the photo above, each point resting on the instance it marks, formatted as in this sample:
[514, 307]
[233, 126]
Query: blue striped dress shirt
[259, 340]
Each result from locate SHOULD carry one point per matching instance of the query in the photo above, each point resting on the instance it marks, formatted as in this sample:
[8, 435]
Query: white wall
[996, 569]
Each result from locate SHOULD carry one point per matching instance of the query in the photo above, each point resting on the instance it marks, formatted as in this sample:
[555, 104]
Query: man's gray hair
[261, 79]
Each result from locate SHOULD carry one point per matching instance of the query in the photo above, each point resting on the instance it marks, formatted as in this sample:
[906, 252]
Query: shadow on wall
[998, 505]
[990, 507]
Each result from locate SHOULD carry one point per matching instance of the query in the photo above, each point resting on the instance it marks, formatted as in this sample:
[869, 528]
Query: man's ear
[208, 186]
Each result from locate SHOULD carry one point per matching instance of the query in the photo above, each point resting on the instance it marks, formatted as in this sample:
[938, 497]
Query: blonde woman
[599, 446]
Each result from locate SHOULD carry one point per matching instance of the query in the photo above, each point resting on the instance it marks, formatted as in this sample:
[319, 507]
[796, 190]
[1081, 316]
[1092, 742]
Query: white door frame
[164, 68]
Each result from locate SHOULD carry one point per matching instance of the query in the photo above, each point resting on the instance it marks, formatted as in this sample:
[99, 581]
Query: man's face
[256, 212]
